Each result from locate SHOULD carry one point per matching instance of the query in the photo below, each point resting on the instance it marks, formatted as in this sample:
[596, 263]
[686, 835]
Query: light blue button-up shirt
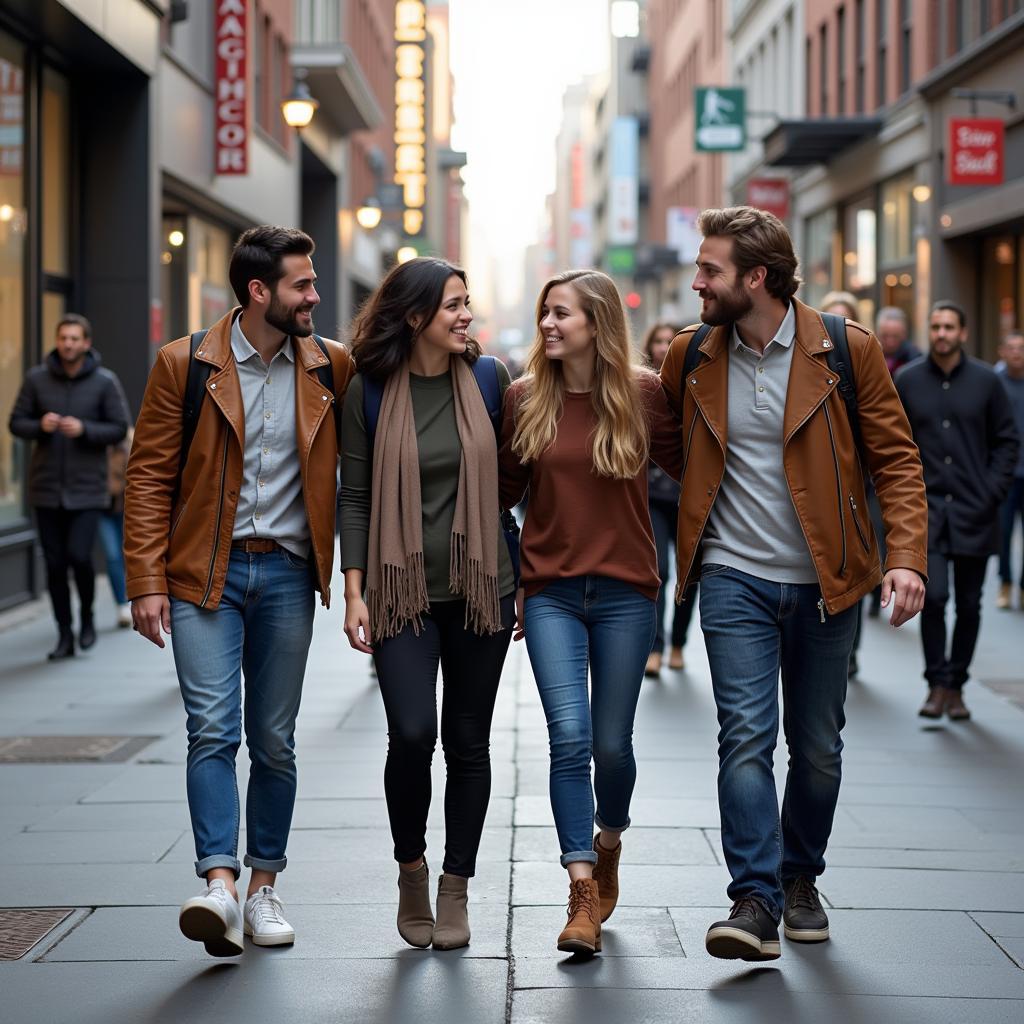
[270, 501]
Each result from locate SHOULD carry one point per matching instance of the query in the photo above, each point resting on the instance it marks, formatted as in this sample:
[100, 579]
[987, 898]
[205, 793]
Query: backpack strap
[839, 362]
[191, 406]
[485, 369]
[325, 374]
[694, 356]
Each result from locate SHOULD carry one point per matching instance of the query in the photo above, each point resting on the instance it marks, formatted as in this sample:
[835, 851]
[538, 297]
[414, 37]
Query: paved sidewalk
[925, 883]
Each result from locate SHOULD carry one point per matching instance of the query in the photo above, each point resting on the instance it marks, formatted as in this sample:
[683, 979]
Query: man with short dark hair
[225, 543]
[963, 425]
[772, 523]
[72, 409]
[1011, 373]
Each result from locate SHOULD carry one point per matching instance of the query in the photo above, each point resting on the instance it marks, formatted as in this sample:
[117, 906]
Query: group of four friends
[228, 537]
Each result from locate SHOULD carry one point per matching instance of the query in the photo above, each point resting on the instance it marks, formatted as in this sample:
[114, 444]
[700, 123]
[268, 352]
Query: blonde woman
[578, 429]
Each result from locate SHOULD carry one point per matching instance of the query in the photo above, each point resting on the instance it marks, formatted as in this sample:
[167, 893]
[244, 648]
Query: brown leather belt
[256, 545]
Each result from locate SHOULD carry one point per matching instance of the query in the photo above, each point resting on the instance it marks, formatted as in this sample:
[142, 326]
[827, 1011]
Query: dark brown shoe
[582, 931]
[955, 706]
[934, 706]
[606, 874]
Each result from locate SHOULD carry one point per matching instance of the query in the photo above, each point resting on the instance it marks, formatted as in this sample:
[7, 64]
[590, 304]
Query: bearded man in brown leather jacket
[773, 522]
[225, 552]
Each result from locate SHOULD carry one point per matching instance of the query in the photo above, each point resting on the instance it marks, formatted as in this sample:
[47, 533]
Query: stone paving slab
[640, 846]
[746, 1004]
[644, 810]
[901, 889]
[630, 932]
[439, 987]
[101, 847]
[323, 932]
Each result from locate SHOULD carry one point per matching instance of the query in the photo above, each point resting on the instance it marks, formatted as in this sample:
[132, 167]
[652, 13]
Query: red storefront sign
[975, 151]
[231, 88]
[770, 195]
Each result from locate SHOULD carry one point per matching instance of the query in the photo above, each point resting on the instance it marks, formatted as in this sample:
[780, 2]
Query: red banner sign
[770, 195]
[231, 88]
[975, 151]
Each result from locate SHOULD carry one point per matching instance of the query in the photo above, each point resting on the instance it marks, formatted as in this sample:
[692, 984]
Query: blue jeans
[261, 629]
[608, 625]
[111, 532]
[752, 629]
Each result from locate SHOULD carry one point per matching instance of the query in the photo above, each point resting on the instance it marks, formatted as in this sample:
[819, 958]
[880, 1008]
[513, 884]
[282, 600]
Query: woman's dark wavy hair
[382, 337]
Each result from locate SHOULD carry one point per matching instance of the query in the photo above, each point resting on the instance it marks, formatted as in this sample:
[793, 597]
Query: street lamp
[406, 253]
[298, 108]
[368, 215]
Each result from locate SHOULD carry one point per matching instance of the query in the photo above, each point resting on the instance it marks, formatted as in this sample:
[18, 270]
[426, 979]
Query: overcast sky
[511, 63]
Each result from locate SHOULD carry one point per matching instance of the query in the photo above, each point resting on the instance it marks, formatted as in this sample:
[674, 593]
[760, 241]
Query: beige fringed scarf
[396, 586]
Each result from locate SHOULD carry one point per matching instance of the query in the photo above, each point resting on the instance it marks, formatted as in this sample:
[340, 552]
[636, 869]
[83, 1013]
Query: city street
[925, 886]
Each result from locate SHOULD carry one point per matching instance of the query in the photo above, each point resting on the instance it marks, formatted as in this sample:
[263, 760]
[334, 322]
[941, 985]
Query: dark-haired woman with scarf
[428, 577]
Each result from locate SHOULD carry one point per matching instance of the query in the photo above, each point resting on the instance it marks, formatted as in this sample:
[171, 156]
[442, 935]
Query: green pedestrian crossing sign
[720, 117]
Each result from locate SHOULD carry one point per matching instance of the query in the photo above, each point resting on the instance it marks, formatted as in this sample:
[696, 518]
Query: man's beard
[286, 319]
[728, 308]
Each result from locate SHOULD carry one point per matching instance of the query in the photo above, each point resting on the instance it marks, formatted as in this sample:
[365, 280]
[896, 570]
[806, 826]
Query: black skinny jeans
[664, 517]
[968, 578]
[407, 673]
[67, 537]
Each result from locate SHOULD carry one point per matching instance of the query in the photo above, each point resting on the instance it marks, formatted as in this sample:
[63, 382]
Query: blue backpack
[485, 371]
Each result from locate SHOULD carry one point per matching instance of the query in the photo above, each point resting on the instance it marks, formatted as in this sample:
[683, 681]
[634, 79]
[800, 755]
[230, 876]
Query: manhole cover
[20, 930]
[56, 749]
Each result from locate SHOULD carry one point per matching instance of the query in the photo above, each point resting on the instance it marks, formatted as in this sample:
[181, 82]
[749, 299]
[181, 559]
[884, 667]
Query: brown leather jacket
[819, 458]
[184, 551]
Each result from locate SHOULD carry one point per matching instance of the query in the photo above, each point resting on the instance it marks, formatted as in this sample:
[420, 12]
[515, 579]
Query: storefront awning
[816, 140]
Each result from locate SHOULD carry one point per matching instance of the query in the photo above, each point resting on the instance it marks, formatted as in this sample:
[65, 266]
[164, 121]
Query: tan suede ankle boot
[452, 928]
[415, 918]
[606, 874]
[582, 932]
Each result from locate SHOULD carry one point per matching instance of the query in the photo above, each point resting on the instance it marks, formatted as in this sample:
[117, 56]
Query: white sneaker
[214, 919]
[264, 919]
[124, 615]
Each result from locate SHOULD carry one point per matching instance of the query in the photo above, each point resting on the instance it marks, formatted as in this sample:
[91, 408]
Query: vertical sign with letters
[231, 87]
[410, 111]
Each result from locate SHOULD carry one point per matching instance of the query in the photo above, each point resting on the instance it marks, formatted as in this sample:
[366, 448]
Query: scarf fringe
[468, 578]
[400, 599]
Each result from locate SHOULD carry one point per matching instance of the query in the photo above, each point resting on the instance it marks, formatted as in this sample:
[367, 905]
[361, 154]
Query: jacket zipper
[220, 512]
[856, 523]
[839, 486]
[689, 442]
[821, 609]
[177, 519]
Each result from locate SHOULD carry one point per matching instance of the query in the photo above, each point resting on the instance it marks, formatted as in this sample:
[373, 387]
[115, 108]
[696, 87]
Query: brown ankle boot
[452, 928]
[955, 706]
[582, 932]
[606, 874]
[935, 704]
[415, 918]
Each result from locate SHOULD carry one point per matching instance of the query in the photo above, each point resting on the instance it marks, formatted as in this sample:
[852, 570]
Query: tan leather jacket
[819, 458]
[184, 551]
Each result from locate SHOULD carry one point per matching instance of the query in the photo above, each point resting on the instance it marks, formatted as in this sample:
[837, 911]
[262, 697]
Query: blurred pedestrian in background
[893, 332]
[72, 409]
[229, 531]
[842, 304]
[421, 537]
[1012, 376]
[111, 528]
[579, 429]
[963, 424]
[663, 500]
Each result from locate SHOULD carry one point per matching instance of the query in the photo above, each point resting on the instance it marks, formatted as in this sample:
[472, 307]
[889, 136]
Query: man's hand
[71, 427]
[519, 630]
[906, 588]
[50, 422]
[149, 613]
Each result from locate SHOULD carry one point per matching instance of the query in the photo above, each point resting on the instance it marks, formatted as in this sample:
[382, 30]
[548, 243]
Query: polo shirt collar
[784, 337]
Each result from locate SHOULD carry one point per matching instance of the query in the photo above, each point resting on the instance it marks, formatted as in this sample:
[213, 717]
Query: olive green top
[440, 453]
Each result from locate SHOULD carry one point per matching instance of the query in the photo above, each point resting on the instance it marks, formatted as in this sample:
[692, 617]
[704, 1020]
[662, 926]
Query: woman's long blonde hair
[620, 440]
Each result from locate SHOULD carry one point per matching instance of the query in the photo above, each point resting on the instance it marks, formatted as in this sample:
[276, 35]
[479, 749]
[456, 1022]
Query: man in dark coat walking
[963, 425]
[72, 409]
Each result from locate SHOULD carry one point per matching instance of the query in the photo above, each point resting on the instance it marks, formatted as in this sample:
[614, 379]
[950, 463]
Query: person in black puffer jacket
[72, 409]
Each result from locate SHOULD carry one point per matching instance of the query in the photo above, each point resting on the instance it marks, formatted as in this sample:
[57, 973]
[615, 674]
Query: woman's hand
[357, 624]
[519, 629]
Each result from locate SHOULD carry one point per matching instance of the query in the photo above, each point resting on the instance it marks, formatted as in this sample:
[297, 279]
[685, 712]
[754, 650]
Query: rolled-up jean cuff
[265, 865]
[611, 828]
[575, 858]
[218, 860]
